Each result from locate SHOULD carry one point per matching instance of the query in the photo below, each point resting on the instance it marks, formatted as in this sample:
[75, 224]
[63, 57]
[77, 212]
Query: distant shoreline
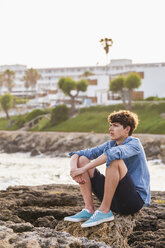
[61, 143]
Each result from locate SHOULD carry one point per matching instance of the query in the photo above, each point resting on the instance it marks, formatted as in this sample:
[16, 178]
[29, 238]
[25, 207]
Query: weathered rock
[60, 144]
[33, 217]
[18, 227]
[10, 148]
[43, 238]
[149, 230]
[162, 152]
[35, 152]
[114, 233]
[46, 221]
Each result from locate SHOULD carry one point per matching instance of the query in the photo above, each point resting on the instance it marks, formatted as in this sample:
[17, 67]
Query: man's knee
[120, 166]
[117, 163]
[83, 161]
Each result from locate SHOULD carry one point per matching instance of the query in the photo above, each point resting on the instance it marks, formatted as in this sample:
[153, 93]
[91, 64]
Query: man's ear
[128, 128]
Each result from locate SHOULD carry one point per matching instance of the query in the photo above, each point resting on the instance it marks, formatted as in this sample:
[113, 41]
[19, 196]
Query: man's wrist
[88, 166]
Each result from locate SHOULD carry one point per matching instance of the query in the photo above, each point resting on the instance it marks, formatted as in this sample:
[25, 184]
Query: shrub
[15, 123]
[6, 102]
[19, 123]
[36, 112]
[20, 100]
[154, 98]
[59, 114]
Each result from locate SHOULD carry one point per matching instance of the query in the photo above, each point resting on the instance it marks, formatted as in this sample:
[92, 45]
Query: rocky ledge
[60, 144]
[32, 217]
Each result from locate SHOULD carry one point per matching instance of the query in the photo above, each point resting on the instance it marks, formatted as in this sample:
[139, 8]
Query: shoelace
[95, 213]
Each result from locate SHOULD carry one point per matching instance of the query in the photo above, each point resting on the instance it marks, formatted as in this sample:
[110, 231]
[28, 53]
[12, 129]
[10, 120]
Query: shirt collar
[127, 140]
[124, 142]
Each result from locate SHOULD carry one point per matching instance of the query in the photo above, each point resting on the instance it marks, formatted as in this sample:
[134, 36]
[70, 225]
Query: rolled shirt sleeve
[92, 153]
[132, 152]
[128, 148]
[124, 151]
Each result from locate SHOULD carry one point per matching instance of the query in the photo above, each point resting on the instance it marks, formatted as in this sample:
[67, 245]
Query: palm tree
[107, 43]
[26, 82]
[30, 78]
[9, 77]
[1, 81]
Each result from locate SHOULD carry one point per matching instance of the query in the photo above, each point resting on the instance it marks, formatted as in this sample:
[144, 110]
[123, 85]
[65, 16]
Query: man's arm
[91, 153]
[96, 162]
[123, 151]
[73, 161]
[73, 166]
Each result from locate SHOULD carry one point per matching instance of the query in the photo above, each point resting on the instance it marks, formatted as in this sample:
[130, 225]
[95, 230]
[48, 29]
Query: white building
[153, 76]
[153, 81]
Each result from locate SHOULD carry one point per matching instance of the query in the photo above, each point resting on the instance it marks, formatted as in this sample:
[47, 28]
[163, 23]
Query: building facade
[47, 92]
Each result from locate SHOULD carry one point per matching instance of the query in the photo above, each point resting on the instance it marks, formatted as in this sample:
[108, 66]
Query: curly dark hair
[125, 118]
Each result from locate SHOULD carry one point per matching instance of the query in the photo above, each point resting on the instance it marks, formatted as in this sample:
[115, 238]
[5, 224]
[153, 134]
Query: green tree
[30, 78]
[9, 77]
[132, 81]
[59, 114]
[6, 102]
[117, 85]
[68, 85]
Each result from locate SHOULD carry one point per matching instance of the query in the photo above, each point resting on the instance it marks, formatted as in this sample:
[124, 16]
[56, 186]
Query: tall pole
[107, 43]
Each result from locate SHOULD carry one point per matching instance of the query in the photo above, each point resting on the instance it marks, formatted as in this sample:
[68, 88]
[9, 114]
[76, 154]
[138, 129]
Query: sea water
[22, 169]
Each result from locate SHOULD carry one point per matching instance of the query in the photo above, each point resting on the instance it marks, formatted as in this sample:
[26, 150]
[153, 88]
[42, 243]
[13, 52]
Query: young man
[125, 188]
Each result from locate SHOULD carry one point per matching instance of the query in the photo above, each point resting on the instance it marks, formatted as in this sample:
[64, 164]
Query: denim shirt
[132, 153]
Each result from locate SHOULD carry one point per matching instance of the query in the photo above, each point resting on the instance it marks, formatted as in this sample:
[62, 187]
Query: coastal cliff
[32, 217]
[60, 143]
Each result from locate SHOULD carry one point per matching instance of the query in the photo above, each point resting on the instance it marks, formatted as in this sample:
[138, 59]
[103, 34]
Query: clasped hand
[76, 174]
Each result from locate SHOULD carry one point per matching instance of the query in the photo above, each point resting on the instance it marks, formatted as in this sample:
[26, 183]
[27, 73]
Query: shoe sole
[74, 219]
[97, 222]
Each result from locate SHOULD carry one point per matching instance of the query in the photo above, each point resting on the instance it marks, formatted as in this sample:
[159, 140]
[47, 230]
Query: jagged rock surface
[32, 217]
[149, 230]
[114, 233]
[41, 238]
[60, 144]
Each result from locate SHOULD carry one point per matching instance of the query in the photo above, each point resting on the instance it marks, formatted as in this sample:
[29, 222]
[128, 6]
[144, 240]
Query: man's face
[117, 131]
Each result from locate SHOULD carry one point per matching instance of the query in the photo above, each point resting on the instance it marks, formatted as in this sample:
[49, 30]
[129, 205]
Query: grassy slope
[95, 119]
[150, 119]
[3, 123]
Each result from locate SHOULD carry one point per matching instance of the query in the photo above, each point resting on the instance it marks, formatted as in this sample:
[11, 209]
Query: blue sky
[57, 33]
